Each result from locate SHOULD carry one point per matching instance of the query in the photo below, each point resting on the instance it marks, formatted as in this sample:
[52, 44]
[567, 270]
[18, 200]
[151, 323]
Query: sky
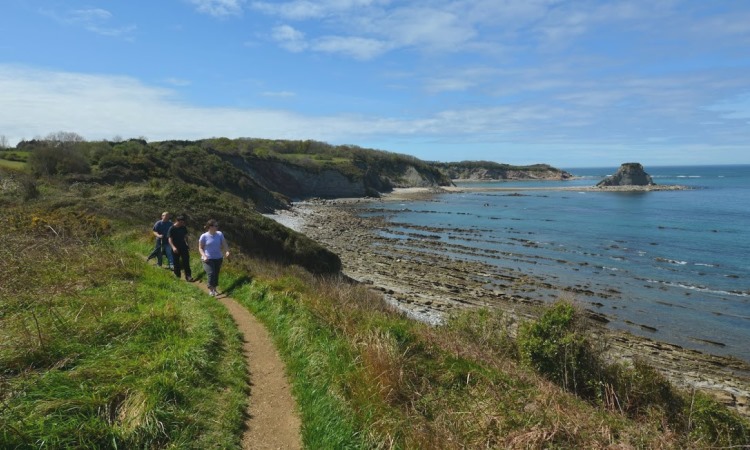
[569, 83]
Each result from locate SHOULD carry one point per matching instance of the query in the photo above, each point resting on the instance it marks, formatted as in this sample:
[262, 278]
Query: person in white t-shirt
[213, 248]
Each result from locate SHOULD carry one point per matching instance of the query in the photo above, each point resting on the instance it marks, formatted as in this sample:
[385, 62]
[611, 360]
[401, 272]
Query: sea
[671, 265]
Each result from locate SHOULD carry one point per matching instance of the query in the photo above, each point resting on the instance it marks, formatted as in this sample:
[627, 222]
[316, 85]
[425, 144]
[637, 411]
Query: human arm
[225, 246]
[171, 241]
[202, 248]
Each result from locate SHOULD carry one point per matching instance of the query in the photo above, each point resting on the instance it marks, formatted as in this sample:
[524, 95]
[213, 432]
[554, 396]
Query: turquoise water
[671, 265]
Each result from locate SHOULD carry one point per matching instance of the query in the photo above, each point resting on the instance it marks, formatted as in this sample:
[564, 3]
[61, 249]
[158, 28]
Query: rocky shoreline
[428, 285]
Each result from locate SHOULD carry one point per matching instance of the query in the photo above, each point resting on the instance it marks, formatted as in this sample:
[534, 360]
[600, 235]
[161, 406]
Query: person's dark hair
[211, 223]
[180, 218]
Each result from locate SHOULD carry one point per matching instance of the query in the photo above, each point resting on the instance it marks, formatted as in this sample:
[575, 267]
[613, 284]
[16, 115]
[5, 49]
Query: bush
[712, 422]
[636, 390]
[557, 348]
[50, 160]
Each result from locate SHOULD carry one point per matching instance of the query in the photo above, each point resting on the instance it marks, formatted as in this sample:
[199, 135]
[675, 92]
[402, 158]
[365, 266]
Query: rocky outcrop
[491, 171]
[629, 174]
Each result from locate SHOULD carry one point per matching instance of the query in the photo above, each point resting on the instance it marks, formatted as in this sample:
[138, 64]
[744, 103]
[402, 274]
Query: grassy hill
[98, 349]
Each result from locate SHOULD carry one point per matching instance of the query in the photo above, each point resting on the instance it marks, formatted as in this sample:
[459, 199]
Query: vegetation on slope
[367, 377]
[497, 171]
[99, 350]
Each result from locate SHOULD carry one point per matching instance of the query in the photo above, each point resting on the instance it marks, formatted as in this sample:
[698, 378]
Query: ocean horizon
[668, 265]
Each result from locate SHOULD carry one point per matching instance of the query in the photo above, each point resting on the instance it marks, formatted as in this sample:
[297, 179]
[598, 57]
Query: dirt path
[272, 421]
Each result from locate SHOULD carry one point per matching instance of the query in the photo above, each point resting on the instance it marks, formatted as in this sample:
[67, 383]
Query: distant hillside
[487, 170]
[232, 180]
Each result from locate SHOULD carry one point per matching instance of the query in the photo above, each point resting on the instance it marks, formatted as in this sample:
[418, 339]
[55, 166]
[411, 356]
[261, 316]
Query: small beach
[428, 285]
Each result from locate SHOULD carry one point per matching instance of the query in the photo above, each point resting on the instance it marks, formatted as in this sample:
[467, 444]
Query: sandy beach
[428, 286]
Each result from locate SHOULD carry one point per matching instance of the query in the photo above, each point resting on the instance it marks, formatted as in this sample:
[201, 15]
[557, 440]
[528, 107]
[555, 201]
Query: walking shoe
[189, 279]
[212, 292]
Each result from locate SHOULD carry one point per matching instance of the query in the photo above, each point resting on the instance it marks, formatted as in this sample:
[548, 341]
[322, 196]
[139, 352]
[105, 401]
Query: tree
[64, 137]
[3, 142]
[59, 153]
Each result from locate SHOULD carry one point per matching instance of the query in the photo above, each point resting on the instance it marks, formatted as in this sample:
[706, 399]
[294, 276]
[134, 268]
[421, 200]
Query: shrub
[557, 348]
[636, 390]
[48, 160]
[710, 421]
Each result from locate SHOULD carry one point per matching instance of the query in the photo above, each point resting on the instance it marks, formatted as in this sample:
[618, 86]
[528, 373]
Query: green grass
[99, 350]
[365, 377]
[19, 166]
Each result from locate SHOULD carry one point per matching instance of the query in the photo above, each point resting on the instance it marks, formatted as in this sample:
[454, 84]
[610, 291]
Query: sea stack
[629, 174]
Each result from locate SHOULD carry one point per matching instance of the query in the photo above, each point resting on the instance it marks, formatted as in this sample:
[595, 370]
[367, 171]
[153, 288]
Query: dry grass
[462, 385]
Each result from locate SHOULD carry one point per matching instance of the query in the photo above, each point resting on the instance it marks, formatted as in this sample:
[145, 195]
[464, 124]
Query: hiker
[178, 240]
[162, 245]
[213, 247]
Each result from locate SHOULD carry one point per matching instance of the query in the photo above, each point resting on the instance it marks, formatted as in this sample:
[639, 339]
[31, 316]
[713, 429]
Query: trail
[272, 419]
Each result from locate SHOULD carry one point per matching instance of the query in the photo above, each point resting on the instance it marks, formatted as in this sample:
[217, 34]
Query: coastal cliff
[490, 171]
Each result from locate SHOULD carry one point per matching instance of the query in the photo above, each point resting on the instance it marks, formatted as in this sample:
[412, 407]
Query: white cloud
[425, 27]
[306, 10]
[279, 94]
[218, 8]
[89, 15]
[289, 38]
[437, 85]
[95, 20]
[357, 48]
[300, 10]
[37, 102]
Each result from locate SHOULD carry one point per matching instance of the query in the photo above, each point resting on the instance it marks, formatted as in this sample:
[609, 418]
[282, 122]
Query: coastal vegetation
[101, 350]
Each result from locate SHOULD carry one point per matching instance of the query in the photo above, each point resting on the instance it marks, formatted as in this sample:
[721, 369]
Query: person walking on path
[178, 240]
[161, 227]
[213, 248]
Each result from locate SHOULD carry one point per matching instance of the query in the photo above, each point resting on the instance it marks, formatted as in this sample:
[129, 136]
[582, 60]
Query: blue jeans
[212, 268]
[162, 248]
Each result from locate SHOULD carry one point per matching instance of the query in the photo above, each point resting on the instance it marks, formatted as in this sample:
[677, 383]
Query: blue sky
[569, 83]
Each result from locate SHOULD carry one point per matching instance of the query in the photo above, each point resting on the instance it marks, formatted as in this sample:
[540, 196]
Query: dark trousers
[161, 248]
[212, 268]
[182, 262]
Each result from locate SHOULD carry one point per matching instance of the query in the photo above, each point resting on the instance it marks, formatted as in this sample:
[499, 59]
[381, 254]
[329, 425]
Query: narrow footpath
[272, 419]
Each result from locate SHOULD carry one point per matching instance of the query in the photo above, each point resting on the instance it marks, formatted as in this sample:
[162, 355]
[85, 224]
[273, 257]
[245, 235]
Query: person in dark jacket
[161, 227]
[178, 240]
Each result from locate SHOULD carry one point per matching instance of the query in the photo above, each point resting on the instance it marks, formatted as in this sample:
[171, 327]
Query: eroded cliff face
[298, 182]
[629, 174]
[370, 179]
[481, 174]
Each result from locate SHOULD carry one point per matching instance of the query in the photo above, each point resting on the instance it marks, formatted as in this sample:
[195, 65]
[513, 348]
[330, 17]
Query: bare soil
[272, 419]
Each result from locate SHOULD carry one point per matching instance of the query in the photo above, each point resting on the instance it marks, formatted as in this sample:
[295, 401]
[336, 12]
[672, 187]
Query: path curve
[272, 419]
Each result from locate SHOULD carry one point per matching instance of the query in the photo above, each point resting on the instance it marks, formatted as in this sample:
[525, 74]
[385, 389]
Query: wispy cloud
[219, 8]
[355, 47]
[289, 38]
[279, 94]
[95, 20]
[37, 102]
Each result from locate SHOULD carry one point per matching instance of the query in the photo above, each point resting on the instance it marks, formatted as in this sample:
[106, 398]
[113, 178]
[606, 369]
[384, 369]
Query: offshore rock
[629, 174]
